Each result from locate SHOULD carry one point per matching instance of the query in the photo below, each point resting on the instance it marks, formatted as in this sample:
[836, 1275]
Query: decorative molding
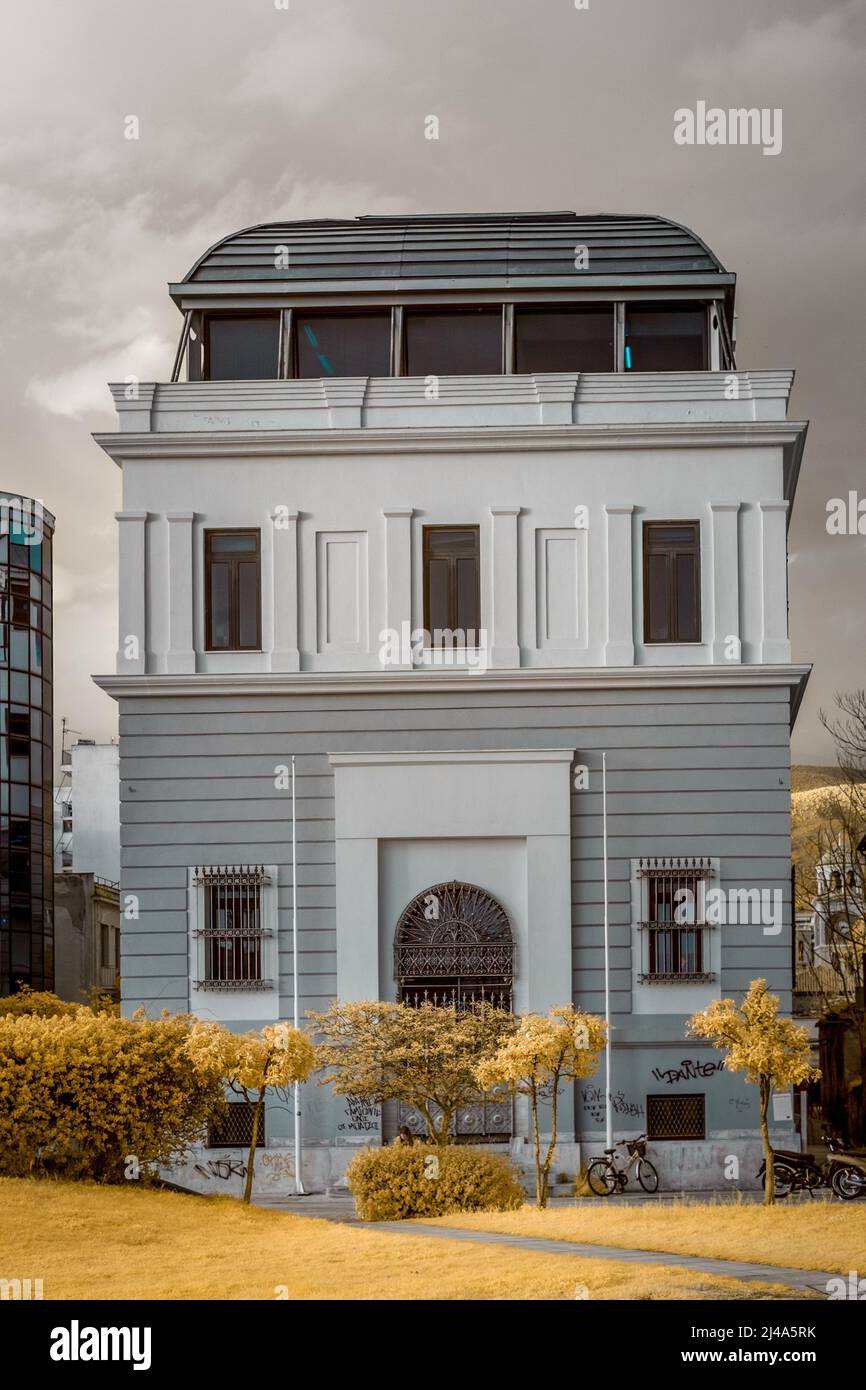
[428, 682]
[439, 756]
[644, 435]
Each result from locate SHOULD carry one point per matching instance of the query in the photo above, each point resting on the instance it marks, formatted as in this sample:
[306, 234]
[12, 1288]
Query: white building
[87, 811]
[529, 430]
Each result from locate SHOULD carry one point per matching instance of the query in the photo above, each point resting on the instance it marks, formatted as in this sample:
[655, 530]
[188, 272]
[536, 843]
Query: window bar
[397, 317]
[619, 336]
[284, 358]
[181, 347]
[508, 363]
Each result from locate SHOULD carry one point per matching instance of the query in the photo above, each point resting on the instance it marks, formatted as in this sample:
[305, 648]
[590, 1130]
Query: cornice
[527, 680]
[210, 444]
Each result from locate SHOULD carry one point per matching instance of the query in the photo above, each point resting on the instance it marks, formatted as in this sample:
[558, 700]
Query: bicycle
[605, 1177]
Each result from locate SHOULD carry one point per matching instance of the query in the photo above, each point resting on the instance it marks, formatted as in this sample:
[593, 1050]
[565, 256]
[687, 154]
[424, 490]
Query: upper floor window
[232, 590]
[342, 344]
[564, 339]
[452, 600]
[665, 338]
[242, 347]
[672, 581]
[447, 343]
[443, 340]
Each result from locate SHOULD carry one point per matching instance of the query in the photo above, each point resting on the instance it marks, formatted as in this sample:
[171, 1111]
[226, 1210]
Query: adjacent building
[87, 936]
[87, 810]
[26, 774]
[447, 508]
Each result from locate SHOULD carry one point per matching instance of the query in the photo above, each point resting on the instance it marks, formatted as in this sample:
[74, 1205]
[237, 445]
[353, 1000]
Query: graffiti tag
[688, 1070]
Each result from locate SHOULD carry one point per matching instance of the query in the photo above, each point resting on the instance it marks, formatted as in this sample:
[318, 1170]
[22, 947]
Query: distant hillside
[806, 777]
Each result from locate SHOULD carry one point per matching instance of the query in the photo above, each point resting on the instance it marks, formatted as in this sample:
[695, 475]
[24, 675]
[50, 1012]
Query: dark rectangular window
[673, 926]
[241, 347]
[104, 945]
[234, 1129]
[452, 599]
[665, 338]
[232, 591]
[675, 1117]
[564, 339]
[454, 344]
[342, 344]
[672, 581]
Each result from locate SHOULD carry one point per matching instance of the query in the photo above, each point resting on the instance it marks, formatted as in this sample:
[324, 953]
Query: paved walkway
[804, 1280]
[340, 1207]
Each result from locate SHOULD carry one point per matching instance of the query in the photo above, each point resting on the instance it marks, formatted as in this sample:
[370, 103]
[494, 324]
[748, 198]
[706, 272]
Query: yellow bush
[86, 1094]
[403, 1181]
[36, 1001]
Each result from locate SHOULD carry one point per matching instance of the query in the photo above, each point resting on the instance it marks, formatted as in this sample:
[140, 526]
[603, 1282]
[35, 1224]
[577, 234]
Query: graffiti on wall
[688, 1070]
[362, 1116]
[279, 1166]
[592, 1098]
[223, 1168]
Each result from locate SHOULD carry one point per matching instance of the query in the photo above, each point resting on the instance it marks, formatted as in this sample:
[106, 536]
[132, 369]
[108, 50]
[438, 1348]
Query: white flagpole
[299, 1182]
[607, 1083]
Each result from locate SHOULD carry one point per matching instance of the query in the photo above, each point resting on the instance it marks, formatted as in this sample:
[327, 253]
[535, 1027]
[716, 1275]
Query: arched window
[454, 945]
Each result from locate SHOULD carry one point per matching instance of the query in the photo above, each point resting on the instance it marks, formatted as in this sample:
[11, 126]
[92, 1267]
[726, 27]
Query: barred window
[232, 927]
[673, 927]
[234, 1129]
[676, 1117]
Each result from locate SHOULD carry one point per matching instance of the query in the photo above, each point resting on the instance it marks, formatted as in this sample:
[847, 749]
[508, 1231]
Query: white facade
[481, 771]
[341, 508]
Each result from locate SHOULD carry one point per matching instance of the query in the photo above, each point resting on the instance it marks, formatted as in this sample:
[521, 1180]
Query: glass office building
[26, 778]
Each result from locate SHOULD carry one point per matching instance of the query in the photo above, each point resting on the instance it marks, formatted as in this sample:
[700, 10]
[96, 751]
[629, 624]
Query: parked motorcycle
[843, 1170]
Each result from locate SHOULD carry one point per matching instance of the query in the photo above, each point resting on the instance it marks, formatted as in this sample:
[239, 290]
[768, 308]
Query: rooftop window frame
[191, 345]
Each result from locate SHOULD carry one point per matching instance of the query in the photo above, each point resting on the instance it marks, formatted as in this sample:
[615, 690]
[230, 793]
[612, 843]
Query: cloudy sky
[253, 110]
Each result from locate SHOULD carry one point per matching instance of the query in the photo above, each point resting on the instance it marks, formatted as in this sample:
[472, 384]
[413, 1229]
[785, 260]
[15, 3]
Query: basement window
[676, 1117]
[234, 1128]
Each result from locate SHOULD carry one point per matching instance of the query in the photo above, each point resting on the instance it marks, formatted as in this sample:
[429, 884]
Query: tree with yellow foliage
[772, 1051]
[424, 1056]
[541, 1055]
[249, 1064]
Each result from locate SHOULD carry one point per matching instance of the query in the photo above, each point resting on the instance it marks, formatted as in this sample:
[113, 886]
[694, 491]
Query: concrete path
[340, 1207]
[804, 1280]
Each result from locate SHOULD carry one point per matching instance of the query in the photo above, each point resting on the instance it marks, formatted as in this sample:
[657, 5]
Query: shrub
[92, 1095]
[36, 1003]
[402, 1181]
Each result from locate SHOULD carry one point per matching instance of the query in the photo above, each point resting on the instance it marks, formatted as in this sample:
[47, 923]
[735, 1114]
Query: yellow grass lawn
[90, 1242]
[822, 1235]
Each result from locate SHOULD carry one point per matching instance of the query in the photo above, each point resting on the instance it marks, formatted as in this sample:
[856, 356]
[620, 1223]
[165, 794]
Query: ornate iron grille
[672, 932]
[234, 1129]
[675, 1117]
[232, 937]
[453, 948]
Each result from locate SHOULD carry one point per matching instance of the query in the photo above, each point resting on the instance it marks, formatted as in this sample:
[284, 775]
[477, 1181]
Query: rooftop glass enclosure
[476, 295]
